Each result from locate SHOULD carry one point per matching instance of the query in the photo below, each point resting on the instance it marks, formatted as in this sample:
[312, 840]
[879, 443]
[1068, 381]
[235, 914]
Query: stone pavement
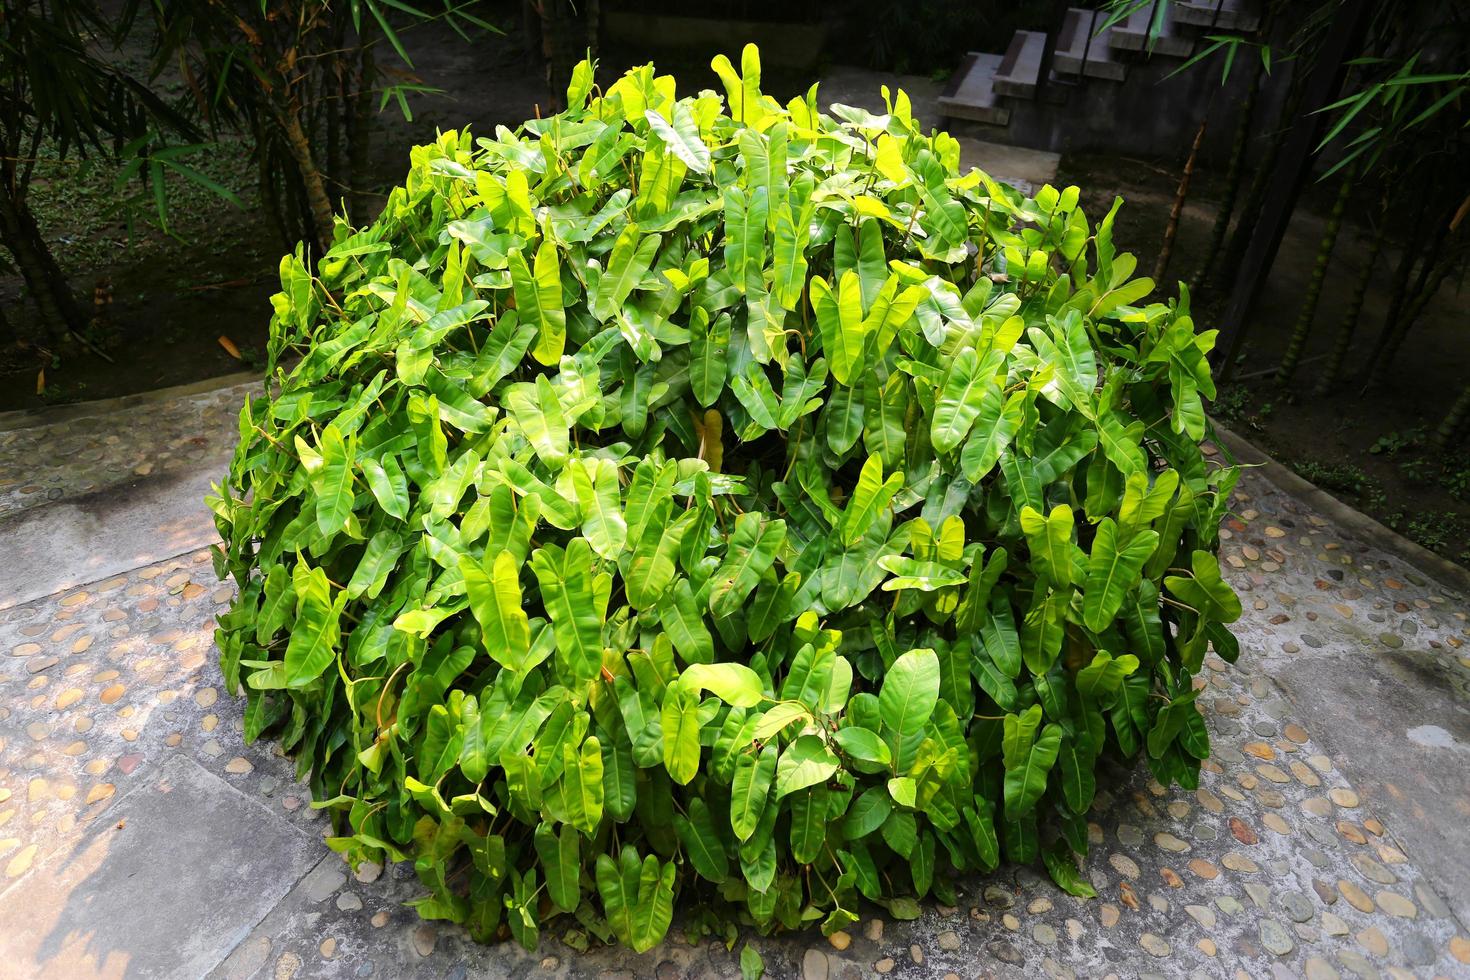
[140, 837]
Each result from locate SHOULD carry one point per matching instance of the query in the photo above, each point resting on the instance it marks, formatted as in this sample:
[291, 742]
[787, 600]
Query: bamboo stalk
[1233, 173]
[1411, 316]
[1345, 330]
[1171, 230]
[1459, 412]
[45, 282]
[314, 187]
[1298, 341]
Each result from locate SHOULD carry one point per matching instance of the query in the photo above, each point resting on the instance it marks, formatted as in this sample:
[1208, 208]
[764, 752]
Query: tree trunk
[1349, 325]
[1459, 412]
[1298, 342]
[1172, 228]
[1233, 174]
[318, 202]
[44, 280]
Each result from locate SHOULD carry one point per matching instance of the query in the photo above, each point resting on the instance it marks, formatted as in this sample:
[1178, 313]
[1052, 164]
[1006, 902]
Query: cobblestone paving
[1280, 864]
[46, 463]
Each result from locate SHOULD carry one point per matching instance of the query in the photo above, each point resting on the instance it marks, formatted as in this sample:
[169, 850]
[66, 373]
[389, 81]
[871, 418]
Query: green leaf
[778, 718]
[561, 863]
[496, 602]
[909, 693]
[1112, 572]
[654, 910]
[680, 718]
[539, 301]
[566, 589]
[752, 967]
[1050, 540]
[378, 559]
[385, 479]
[580, 788]
[789, 255]
[805, 762]
[537, 412]
[316, 631]
[840, 324]
[683, 620]
[751, 551]
[995, 426]
[750, 789]
[960, 400]
[1063, 870]
[682, 137]
[863, 746]
[334, 482]
[632, 256]
[734, 684]
[869, 498]
[1101, 680]
[1079, 782]
[1025, 781]
[709, 345]
[702, 843]
[745, 231]
[595, 482]
[867, 813]
[1205, 592]
[925, 576]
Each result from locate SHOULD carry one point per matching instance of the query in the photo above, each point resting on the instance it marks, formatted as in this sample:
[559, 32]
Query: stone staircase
[988, 89]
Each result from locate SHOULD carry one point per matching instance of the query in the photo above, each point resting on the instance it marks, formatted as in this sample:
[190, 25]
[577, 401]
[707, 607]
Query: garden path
[139, 836]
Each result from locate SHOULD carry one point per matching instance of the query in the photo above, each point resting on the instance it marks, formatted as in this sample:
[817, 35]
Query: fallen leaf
[41, 381]
[229, 346]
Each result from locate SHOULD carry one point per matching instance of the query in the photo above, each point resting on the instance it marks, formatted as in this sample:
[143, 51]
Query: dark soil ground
[175, 295]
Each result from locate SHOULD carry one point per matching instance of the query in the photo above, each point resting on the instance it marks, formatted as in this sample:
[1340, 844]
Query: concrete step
[1132, 34]
[1081, 53]
[1020, 69]
[971, 91]
[1222, 15]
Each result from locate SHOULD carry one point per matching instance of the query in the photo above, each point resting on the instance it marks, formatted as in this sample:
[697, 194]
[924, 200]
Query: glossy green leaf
[1025, 781]
[910, 691]
[496, 602]
[805, 762]
[1112, 571]
[701, 842]
[561, 864]
[750, 789]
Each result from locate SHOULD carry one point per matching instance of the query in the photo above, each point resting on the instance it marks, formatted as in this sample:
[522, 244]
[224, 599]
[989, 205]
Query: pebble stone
[1154, 945]
[1275, 938]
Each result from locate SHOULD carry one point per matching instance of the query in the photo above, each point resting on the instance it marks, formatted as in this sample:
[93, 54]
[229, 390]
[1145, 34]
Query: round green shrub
[721, 499]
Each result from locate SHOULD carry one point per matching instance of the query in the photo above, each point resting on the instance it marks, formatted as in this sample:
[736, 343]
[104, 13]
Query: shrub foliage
[726, 500]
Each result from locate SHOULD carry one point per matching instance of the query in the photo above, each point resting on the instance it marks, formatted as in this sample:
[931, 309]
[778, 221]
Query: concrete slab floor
[166, 886]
